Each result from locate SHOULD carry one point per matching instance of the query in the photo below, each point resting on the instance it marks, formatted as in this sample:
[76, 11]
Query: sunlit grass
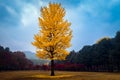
[48, 76]
[59, 75]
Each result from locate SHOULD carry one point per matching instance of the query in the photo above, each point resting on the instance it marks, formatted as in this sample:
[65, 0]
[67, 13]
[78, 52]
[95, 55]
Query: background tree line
[104, 55]
[18, 61]
[13, 60]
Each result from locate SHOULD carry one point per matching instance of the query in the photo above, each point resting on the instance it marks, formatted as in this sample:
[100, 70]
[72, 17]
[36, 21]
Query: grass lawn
[60, 75]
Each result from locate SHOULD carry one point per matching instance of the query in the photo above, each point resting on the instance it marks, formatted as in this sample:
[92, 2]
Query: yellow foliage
[54, 35]
[100, 40]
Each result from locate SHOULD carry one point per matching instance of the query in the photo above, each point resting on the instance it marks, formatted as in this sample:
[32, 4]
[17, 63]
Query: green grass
[60, 75]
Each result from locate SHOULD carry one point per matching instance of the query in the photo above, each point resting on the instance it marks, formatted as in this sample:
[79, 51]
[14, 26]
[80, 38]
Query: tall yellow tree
[54, 36]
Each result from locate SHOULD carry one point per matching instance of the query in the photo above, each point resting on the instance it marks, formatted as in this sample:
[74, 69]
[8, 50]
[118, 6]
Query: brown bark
[52, 68]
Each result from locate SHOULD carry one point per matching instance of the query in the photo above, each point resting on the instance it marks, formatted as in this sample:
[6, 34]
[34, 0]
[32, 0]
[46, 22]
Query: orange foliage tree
[54, 36]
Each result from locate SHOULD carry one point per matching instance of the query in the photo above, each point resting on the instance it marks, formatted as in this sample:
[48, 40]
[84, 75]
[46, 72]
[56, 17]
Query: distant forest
[104, 55]
[17, 61]
[13, 60]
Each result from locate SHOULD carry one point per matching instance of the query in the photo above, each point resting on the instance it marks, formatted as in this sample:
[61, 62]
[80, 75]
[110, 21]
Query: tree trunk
[52, 68]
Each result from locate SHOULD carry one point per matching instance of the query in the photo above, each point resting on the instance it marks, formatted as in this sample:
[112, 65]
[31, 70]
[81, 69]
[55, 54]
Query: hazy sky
[91, 20]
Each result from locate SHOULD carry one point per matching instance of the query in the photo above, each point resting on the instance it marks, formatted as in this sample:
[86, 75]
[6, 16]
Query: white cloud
[29, 15]
[11, 10]
[42, 3]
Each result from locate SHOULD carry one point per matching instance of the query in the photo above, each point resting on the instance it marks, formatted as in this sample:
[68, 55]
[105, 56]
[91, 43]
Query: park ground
[60, 75]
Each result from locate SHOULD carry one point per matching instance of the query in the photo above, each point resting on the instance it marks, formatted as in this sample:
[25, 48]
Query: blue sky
[91, 20]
